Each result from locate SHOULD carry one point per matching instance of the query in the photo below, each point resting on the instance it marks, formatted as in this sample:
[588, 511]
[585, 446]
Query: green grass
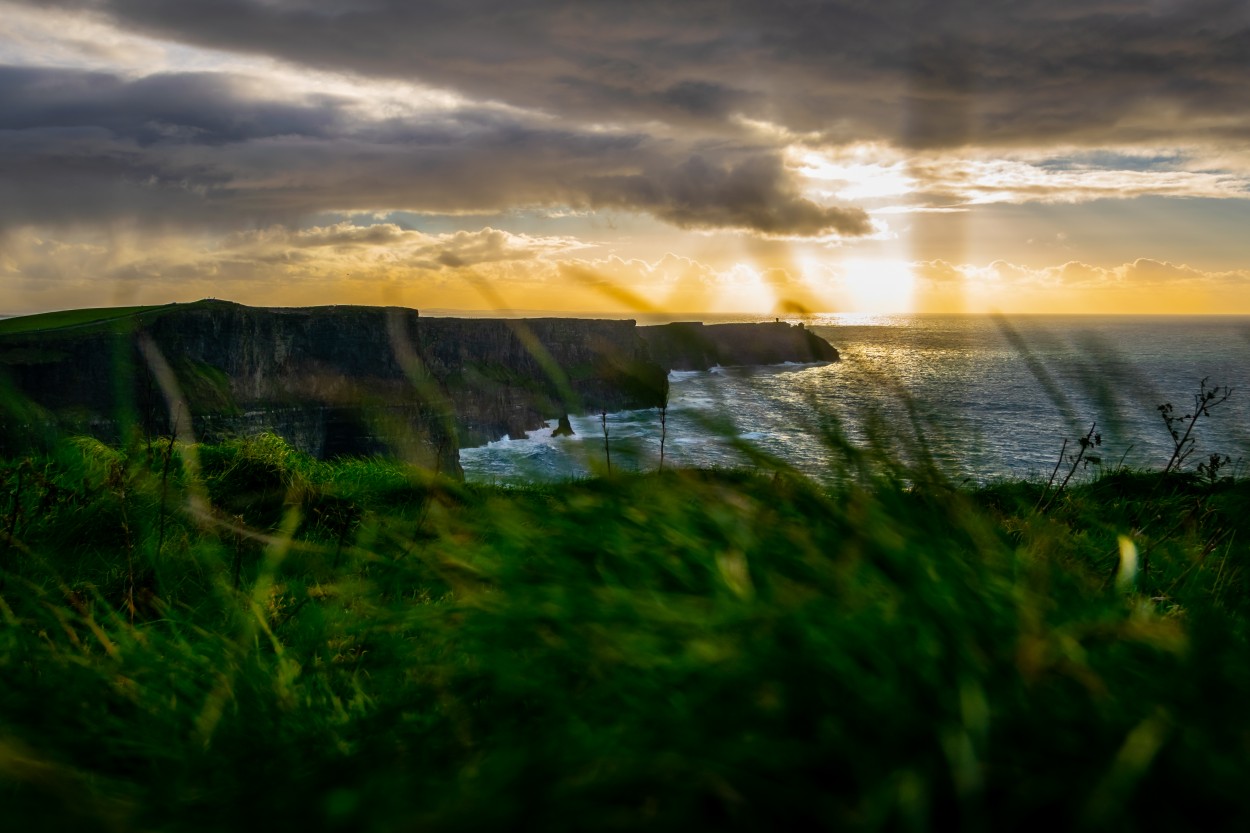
[286, 643]
[67, 318]
[206, 388]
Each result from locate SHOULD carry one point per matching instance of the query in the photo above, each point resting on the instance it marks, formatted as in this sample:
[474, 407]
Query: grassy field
[66, 318]
[199, 638]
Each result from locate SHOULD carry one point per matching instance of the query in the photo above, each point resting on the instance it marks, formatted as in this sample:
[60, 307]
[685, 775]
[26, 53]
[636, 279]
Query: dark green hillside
[47, 321]
[68, 323]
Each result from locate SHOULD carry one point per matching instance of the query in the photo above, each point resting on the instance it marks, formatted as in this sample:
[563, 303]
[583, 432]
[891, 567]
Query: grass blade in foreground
[675, 650]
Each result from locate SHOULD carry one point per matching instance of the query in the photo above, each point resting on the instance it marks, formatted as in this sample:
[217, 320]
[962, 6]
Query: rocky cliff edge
[348, 380]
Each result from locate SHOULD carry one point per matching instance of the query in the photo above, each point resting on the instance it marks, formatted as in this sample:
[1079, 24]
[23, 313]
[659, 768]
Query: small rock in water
[564, 429]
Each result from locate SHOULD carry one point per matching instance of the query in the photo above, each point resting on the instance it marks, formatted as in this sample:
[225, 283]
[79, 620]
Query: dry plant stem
[1119, 467]
[1062, 450]
[1085, 445]
[1087, 442]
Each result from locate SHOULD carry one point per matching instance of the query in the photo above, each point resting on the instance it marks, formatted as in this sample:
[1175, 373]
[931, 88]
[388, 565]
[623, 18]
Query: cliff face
[691, 345]
[329, 380]
[353, 380]
[510, 376]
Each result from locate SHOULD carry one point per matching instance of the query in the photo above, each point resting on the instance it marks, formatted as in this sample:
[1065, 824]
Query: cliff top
[676, 345]
[104, 318]
[117, 317]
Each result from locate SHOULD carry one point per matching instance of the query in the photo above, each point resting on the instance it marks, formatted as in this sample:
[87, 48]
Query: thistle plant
[1183, 442]
[1210, 470]
[1083, 455]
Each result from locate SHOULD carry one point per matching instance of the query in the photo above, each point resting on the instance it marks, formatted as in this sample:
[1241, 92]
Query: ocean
[987, 398]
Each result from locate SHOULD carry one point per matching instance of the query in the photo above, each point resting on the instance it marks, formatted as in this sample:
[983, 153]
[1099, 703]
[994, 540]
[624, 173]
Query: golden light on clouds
[613, 159]
[856, 173]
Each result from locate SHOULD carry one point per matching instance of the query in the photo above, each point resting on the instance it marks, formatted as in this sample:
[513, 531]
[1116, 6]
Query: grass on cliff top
[106, 316]
[68, 318]
[245, 637]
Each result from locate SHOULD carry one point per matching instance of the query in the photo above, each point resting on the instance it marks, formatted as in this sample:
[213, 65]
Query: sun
[864, 171]
[877, 285]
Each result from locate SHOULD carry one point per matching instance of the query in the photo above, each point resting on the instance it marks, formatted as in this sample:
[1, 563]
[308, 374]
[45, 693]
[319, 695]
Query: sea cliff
[346, 380]
[692, 345]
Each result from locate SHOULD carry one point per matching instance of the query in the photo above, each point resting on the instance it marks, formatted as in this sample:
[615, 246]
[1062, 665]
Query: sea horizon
[997, 397]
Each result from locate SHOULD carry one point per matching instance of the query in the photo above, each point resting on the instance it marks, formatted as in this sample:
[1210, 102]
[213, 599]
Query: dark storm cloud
[635, 106]
[187, 149]
[206, 108]
[754, 194]
[921, 72]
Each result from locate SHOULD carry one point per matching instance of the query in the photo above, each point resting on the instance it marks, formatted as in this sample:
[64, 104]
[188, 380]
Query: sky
[715, 156]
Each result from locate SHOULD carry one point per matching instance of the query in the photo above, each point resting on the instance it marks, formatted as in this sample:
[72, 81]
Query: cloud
[978, 180]
[922, 74]
[1147, 272]
[614, 271]
[465, 248]
[342, 251]
[345, 245]
[345, 262]
[192, 148]
[1142, 273]
[887, 180]
[56, 37]
[756, 194]
[204, 108]
[636, 107]
[772, 121]
[939, 272]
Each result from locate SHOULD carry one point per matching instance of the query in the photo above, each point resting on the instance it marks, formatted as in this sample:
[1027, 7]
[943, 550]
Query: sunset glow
[879, 286]
[1069, 158]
